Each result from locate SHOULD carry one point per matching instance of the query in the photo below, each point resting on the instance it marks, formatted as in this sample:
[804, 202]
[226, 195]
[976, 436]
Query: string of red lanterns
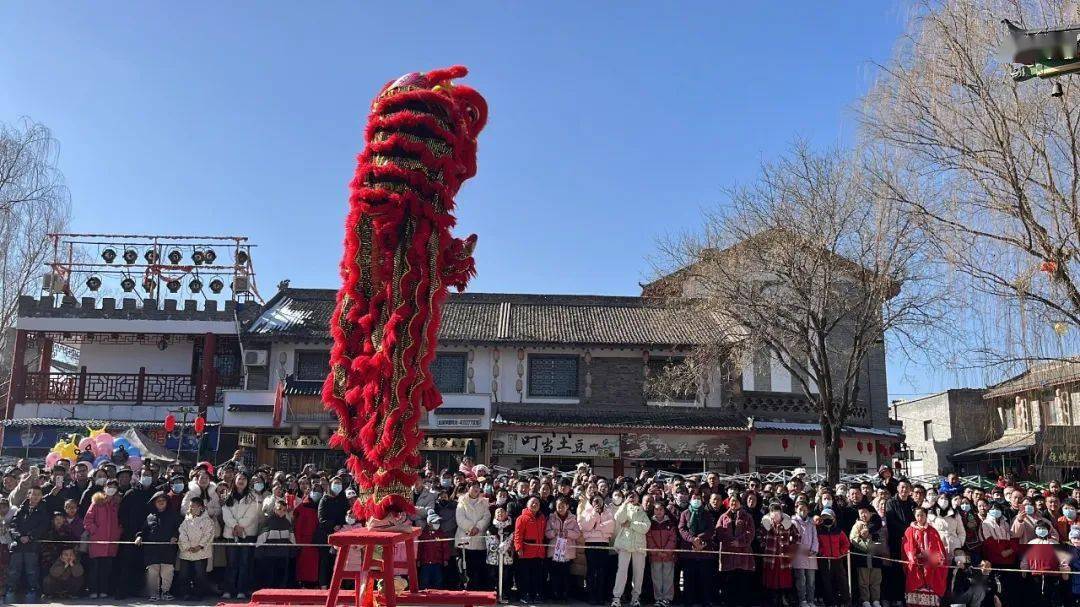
[867, 447]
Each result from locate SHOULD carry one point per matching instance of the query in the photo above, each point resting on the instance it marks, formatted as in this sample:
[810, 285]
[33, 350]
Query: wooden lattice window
[313, 365]
[448, 371]
[553, 375]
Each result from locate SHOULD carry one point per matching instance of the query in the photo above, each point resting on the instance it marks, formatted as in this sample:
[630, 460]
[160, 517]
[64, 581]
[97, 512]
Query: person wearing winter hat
[433, 553]
[499, 541]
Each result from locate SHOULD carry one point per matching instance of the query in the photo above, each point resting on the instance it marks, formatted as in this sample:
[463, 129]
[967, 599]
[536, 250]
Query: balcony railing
[137, 388]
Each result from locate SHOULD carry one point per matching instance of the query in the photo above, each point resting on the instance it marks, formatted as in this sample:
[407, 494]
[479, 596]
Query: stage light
[151, 256]
[109, 255]
[93, 283]
[216, 285]
[128, 285]
[173, 285]
[130, 256]
[209, 257]
[175, 256]
[149, 285]
[242, 257]
[195, 285]
[198, 257]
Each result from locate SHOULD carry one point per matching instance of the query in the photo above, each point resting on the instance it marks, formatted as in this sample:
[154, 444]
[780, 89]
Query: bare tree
[809, 266]
[998, 166]
[33, 203]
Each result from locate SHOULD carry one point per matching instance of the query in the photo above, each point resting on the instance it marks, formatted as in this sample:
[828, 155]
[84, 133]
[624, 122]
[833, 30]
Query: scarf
[696, 524]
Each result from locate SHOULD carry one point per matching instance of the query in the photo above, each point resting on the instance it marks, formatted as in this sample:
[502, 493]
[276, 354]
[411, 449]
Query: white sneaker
[616, 602]
[241, 595]
[866, 604]
[227, 595]
[877, 604]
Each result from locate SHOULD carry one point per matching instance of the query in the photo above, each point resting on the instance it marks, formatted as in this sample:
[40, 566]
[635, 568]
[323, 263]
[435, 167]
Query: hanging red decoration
[784, 444]
[841, 443]
[859, 445]
[200, 424]
[813, 444]
[170, 422]
[1050, 267]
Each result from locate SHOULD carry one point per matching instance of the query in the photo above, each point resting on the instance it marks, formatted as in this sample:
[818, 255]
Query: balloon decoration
[841, 443]
[98, 448]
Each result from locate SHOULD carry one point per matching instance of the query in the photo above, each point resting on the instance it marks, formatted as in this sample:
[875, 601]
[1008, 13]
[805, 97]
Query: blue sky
[611, 124]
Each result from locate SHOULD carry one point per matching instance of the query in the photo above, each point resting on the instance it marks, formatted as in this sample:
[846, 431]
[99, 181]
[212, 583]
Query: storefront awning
[1012, 443]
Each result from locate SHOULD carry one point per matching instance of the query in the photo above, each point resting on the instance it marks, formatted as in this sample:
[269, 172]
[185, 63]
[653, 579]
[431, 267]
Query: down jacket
[197, 532]
[245, 512]
[951, 530]
[472, 512]
[662, 539]
[102, 522]
[529, 535]
[631, 525]
[596, 527]
[567, 528]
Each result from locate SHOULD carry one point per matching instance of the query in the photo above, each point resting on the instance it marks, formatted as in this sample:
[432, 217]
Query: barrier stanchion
[499, 555]
[849, 588]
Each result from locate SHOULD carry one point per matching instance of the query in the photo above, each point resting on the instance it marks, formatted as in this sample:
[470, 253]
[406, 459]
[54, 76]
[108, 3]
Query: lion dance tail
[399, 260]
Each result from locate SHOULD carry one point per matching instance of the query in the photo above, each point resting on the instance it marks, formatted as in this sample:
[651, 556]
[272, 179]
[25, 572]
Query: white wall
[771, 445]
[127, 358]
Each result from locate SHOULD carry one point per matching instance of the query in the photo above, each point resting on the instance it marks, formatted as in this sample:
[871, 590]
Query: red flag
[279, 403]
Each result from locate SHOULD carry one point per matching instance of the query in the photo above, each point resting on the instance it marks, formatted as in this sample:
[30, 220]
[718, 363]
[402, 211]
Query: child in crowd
[1042, 565]
[196, 546]
[661, 540]
[102, 523]
[834, 546]
[66, 576]
[868, 544]
[500, 545]
[804, 562]
[273, 545]
[433, 552]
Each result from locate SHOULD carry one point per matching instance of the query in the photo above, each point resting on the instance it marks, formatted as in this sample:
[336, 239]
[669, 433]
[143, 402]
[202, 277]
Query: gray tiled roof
[669, 418]
[303, 314]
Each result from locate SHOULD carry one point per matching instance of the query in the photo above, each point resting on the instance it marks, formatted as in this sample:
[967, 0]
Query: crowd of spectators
[216, 532]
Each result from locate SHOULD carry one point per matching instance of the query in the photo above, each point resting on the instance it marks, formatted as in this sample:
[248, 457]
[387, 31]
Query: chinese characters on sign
[684, 447]
[567, 444]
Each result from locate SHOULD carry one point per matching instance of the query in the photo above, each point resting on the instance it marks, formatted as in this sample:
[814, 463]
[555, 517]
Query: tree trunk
[830, 436]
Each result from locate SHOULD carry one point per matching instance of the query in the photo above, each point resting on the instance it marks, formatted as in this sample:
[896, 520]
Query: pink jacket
[568, 528]
[102, 522]
[597, 528]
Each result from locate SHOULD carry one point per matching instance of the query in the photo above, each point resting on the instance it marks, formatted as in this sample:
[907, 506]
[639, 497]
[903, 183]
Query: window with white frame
[553, 376]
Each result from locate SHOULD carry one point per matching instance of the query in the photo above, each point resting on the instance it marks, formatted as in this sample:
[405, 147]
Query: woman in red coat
[925, 562]
[529, 545]
[305, 522]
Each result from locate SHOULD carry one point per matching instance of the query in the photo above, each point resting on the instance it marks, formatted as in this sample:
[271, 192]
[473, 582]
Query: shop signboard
[556, 444]
[683, 447]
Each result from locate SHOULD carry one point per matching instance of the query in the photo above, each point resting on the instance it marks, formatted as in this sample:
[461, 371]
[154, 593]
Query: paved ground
[145, 603]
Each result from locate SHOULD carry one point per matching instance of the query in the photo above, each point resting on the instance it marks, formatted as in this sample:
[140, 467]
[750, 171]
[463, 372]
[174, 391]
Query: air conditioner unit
[255, 358]
[52, 283]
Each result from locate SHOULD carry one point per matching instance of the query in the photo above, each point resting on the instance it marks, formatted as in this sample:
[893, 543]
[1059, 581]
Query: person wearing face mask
[432, 553]
[631, 525]
[1068, 518]
[925, 562]
[1072, 592]
[132, 512]
[1026, 521]
[100, 478]
[473, 515]
[305, 527]
[779, 537]
[735, 532]
[969, 520]
[1041, 566]
[947, 523]
[899, 514]
[597, 526]
[332, 509]
[203, 487]
[803, 564]
[102, 523]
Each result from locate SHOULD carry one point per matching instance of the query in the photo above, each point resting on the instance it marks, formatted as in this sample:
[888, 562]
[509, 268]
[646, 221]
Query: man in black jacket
[29, 523]
[134, 506]
[899, 514]
[332, 509]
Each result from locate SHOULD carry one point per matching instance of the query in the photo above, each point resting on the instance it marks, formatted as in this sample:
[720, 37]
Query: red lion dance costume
[399, 260]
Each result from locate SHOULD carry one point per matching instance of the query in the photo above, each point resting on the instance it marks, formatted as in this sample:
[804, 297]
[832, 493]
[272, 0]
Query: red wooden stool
[365, 541]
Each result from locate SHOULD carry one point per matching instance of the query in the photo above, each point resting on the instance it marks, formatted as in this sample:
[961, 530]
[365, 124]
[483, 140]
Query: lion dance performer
[399, 260]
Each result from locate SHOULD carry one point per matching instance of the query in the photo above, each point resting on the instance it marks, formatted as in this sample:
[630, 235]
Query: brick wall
[617, 381]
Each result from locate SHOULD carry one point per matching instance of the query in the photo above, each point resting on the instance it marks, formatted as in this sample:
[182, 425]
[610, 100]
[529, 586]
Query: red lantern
[200, 424]
[170, 422]
[784, 444]
[841, 443]
[859, 445]
[813, 444]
